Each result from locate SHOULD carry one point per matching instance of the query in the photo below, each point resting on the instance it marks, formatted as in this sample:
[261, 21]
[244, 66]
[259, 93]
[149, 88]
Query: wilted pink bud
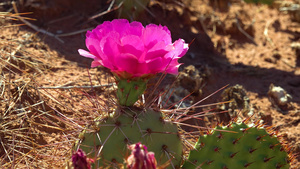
[132, 50]
[140, 158]
[80, 161]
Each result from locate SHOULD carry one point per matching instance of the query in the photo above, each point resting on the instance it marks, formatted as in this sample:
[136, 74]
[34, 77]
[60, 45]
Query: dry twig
[73, 33]
[109, 9]
[242, 31]
[266, 33]
[76, 87]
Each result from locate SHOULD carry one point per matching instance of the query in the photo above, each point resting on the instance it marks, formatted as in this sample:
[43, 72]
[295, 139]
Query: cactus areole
[129, 91]
[109, 138]
[240, 147]
[132, 51]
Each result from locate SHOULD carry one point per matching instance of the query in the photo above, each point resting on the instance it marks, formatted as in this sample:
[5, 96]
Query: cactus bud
[140, 158]
[80, 161]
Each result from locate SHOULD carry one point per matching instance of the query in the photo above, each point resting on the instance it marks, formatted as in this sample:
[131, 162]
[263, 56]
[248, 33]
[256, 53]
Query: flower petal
[135, 28]
[158, 50]
[172, 67]
[111, 45]
[96, 63]
[120, 26]
[86, 54]
[127, 62]
[94, 46]
[131, 50]
[156, 66]
[132, 44]
[180, 47]
[153, 34]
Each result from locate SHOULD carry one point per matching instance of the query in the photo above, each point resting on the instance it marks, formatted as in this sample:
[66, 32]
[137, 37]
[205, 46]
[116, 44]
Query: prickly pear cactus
[132, 8]
[108, 140]
[129, 91]
[238, 146]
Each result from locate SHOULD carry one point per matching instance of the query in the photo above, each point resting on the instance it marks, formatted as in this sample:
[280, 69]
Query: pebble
[279, 95]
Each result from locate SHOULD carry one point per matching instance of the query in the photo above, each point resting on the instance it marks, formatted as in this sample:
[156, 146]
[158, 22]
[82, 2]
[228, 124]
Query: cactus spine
[238, 146]
[129, 91]
[108, 139]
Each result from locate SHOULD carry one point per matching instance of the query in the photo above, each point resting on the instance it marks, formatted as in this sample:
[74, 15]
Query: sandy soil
[250, 45]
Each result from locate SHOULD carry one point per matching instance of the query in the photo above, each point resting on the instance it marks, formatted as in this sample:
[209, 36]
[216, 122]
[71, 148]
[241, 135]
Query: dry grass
[25, 119]
[38, 125]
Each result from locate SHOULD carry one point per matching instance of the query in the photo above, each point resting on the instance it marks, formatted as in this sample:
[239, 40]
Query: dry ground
[247, 44]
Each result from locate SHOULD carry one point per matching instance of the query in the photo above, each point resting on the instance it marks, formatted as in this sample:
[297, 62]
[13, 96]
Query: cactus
[241, 146]
[140, 157]
[80, 161]
[129, 91]
[131, 9]
[134, 54]
[108, 139]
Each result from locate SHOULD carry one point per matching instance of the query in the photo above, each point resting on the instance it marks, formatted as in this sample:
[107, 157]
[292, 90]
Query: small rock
[278, 96]
[189, 82]
[239, 102]
[190, 79]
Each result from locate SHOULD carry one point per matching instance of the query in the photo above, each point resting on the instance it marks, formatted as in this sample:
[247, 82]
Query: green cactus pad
[129, 91]
[236, 147]
[131, 9]
[114, 134]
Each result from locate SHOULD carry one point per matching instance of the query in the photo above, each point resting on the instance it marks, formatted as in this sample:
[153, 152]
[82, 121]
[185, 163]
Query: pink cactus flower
[131, 50]
[140, 158]
[80, 161]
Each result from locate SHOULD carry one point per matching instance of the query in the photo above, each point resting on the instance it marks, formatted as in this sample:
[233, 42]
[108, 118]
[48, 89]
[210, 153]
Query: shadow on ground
[202, 52]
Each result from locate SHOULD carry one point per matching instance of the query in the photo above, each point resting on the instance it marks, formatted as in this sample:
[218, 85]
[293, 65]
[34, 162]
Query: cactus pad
[108, 139]
[236, 147]
[129, 91]
[131, 9]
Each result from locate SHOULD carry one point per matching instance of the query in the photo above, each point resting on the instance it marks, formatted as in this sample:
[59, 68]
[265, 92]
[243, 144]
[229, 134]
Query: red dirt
[218, 50]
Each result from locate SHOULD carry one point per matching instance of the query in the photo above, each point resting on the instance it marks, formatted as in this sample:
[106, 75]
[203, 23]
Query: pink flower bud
[131, 50]
[140, 158]
[80, 161]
